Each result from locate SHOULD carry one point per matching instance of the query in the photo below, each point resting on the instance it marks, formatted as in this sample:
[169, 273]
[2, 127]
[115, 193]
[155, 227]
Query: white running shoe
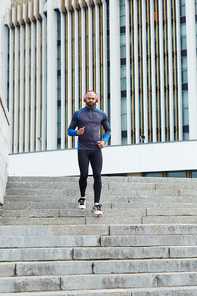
[82, 203]
[96, 210]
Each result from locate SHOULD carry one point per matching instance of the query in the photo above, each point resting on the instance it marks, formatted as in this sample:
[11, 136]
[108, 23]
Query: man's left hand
[100, 144]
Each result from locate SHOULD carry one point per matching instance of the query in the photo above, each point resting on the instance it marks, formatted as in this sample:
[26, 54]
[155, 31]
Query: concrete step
[110, 179]
[72, 213]
[88, 282]
[44, 221]
[46, 205]
[97, 253]
[142, 200]
[97, 267]
[96, 241]
[63, 230]
[49, 241]
[105, 192]
[171, 291]
[73, 205]
[75, 185]
[103, 230]
[95, 220]
[169, 220]
[183, 291]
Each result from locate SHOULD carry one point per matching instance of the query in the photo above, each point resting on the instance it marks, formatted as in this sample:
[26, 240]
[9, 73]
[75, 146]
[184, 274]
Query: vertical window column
[105, 84]
[63, 81]
[144, 54]
[16, 89]
[153, 82]
[170, 81]
[161, 58]
[33, 86]
[70, 83]
[132, 77]
[136, 62]
[22, 83]
[128, 74]
[184, 71]
[123, 72]
[38, 87]
[179, 78]
[58, 80]
[11, 89]
[91, 48]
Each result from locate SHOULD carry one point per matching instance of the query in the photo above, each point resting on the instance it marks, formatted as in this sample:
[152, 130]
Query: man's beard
[91, 104]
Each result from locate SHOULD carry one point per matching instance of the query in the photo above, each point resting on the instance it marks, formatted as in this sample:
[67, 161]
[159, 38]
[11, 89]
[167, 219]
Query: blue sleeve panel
[72, 132]
[74, 123]
[106, 127]
[106, 137]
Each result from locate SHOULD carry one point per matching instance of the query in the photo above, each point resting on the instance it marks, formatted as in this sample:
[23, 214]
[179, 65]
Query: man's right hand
[80, 131]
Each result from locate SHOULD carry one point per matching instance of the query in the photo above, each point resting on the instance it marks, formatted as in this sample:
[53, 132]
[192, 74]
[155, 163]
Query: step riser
[183, 291]
[80, 282]
[113, 230]
[98, 267]
[97, 241]
[107, 192]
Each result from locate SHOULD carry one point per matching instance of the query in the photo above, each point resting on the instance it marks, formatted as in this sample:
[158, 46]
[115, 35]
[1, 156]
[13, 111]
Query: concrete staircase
[145, 243]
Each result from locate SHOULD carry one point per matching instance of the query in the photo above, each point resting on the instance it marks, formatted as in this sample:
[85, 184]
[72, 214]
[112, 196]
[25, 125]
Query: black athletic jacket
[92, 119]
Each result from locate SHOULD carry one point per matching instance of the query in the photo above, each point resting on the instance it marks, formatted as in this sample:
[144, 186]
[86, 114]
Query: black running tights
[96, 160]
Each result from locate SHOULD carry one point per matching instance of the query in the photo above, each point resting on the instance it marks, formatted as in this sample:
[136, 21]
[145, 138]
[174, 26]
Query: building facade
[139, 56]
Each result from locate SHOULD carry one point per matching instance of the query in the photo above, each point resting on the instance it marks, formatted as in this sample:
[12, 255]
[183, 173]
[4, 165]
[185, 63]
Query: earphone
[84, 97]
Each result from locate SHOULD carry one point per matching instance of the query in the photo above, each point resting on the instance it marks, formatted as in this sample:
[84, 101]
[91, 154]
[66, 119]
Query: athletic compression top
[92, 119]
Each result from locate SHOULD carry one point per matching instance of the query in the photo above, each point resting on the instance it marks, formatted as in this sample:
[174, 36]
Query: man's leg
[96, 161]
[83, 161]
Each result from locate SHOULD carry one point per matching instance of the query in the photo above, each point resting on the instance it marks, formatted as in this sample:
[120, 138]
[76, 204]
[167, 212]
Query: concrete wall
[4, 123]
[155, 157]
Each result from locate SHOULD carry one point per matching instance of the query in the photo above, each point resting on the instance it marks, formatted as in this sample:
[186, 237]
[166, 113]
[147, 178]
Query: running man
[89, 121]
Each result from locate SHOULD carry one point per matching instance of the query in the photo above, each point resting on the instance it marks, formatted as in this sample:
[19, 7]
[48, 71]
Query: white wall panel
[133, 160]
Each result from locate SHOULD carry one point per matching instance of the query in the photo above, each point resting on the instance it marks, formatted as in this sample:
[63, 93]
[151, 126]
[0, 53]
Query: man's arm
[107, 129]
[71, 130]
[107, 134]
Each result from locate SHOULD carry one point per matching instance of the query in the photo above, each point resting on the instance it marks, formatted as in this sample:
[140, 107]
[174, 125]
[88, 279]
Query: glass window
[123, 39]
[183, 43]
[152, 174]
[123, 84]
[182, 10]
[59, 52]
[186, 137]
[59, 82]
[122, 21]
[59, 130]
[182, 2]
[123, 105]
[176, 174]
[185, 99]
[122, 2]
[185, 116]
[183, 30]
[184, 77]
[124, 122]
[123, 52]
[59, 35]
[122, 10]
[58, 114]
[123, 71]
[194, 174]
[124, 141]
[59, 94]
[184, 63]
